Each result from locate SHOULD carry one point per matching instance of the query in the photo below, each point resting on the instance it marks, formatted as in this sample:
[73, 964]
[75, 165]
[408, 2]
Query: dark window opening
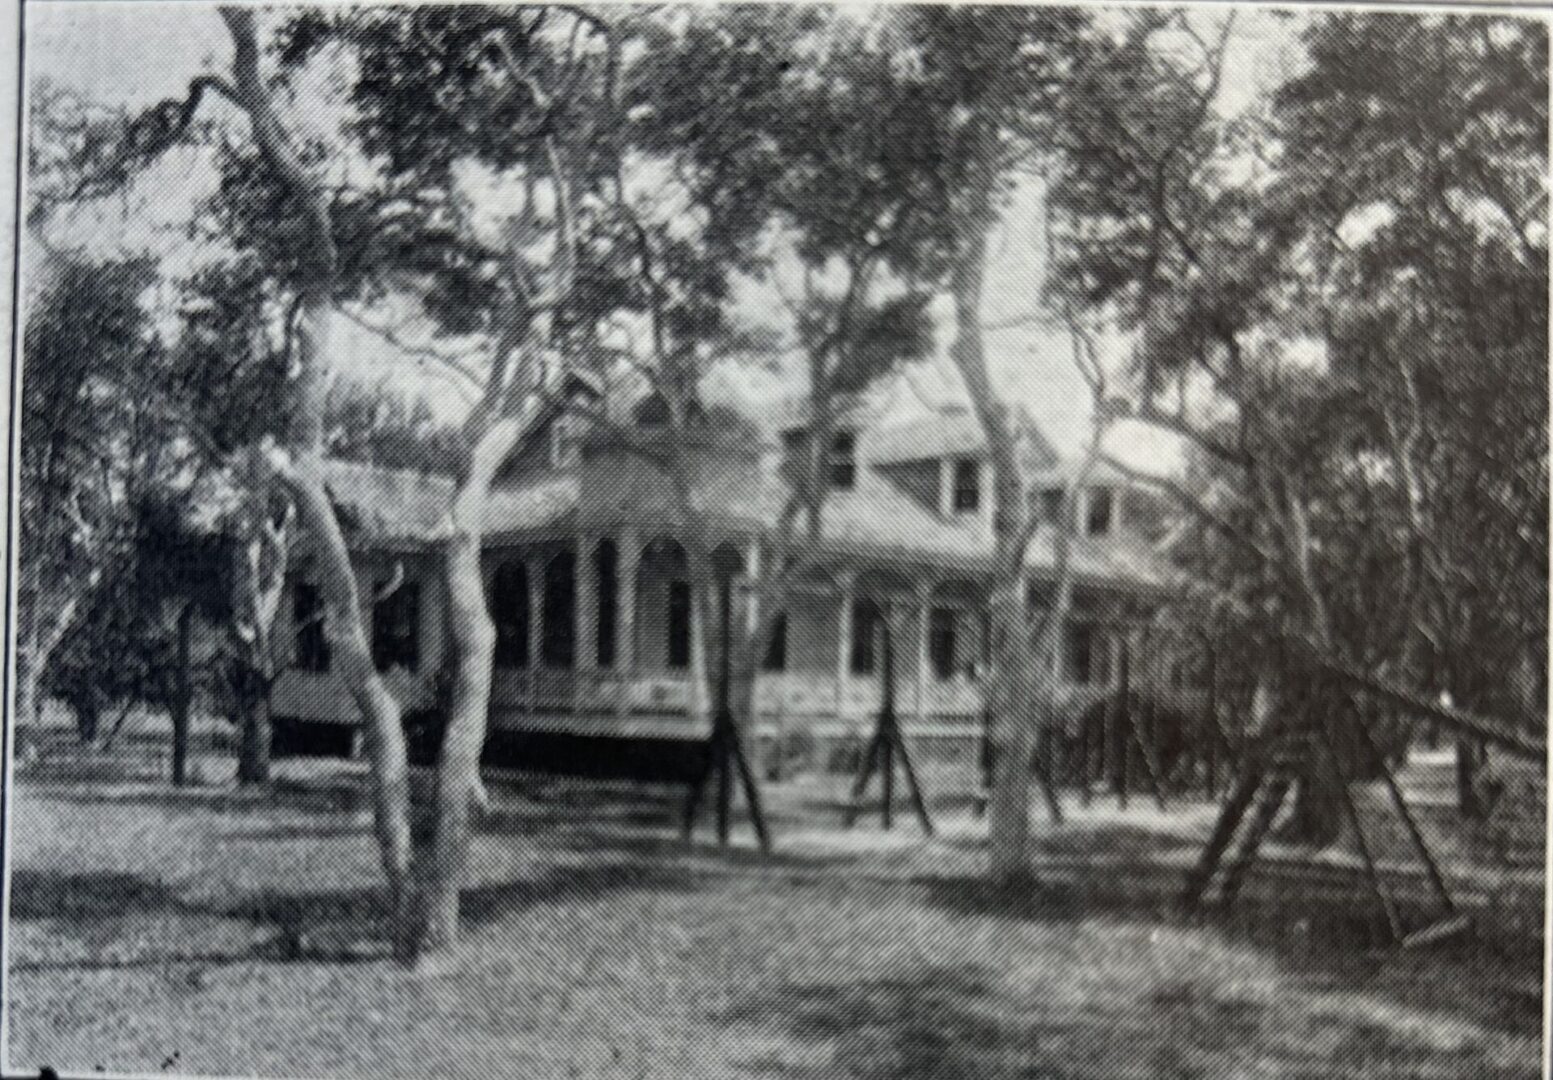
[1082, 658]
[605, 563]
[509, 612]
[1098, 518]
[558, 649]
[866, 622]
[396, 622]
[1051, 504]
[679, 625]
[307, 614]
[843, 461]
[967, 487]
[776, 648]
[942, 624]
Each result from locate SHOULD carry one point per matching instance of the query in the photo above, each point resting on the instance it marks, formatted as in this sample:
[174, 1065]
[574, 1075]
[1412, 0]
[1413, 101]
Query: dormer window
[967, 487]
[1097, 519]
[843, 461]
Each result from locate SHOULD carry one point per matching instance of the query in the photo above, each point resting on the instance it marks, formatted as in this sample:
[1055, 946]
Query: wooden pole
[1235, 807]
[886, 744]
[1371, 871]
[1436, 879]
[1211, 727]
[1272, 798]
[1119, 720]
[893, 736]
[1141, 724]
[725, 754]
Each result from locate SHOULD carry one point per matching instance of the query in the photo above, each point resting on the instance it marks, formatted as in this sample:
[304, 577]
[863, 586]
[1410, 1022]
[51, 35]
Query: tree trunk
[383, 729]
[1013, 739]
[29, 685]
[471, 637]
[1316, 818]
[32, 659]
[182, 697]
[88, 713]
[253, 751]
[300, 469]
[471, 640]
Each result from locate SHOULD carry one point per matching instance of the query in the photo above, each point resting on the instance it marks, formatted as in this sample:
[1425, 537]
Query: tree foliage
[1338, 297]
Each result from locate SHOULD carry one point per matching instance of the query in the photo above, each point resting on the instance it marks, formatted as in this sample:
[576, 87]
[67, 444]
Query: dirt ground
[213, 932]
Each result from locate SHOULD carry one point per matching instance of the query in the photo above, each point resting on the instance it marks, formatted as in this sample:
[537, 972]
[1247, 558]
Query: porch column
[846, 580]
[586, 609]
[703, 594]
[629, 545]
[924, 597]
[536, 613]
[752, 575]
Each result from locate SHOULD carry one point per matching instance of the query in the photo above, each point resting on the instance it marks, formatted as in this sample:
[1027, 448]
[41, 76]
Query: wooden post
[1371, 871]
[843, 642]
[886, 742]
[585, 612]
[630, 549]
[1211, 727]
[1273, 794]
[1436, 879]
[1235, 807]
[1141, 724]
[1119, 722]
[725, 753]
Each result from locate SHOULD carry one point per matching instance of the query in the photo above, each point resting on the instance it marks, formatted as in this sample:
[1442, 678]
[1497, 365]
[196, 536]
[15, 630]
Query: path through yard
[212, 932]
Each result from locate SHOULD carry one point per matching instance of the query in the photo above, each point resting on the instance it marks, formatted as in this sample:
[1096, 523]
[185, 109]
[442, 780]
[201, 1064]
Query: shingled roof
[398, 507]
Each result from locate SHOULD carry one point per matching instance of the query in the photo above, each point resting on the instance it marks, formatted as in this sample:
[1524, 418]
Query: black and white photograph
[757, 541]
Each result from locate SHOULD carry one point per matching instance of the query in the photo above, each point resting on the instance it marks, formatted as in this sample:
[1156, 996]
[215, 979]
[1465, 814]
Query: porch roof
[874, 520]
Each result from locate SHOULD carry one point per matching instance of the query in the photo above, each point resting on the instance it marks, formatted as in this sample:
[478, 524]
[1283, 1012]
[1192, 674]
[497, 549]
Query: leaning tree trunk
[300, 468]
[352, 658]
[182, 697]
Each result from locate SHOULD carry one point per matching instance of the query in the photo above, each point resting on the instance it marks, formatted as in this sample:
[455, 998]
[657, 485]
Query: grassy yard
[216, 932]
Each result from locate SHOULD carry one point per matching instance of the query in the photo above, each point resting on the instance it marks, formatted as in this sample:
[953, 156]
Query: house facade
[599, 630]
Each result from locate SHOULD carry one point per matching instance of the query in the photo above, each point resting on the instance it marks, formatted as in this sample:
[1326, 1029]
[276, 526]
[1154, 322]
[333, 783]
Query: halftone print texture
[717, 541]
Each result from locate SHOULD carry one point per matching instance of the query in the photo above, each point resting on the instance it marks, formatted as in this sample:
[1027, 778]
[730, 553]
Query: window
[967, 487]
[843, 461]
[1090, 656]
[679, 624]
[941, 642]
[866, 621]
[1050, 503]
[509, 611]
[1098, 517]
[560, 606]
[776, 648]
[396, 622]
[307, 614]
[604, 562]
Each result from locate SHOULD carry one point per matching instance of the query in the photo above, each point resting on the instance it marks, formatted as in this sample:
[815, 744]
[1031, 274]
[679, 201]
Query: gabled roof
[953, 432]
[943, 435]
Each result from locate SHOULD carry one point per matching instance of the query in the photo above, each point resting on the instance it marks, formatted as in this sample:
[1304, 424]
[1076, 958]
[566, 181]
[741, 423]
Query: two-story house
[598, 632]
